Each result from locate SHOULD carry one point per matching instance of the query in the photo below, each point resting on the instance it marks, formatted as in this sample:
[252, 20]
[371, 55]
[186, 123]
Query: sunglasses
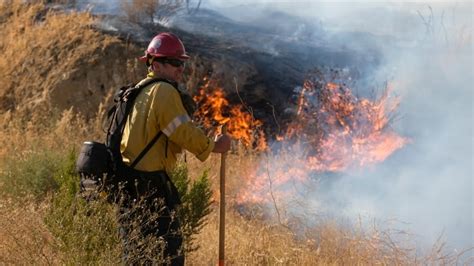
[173, 62]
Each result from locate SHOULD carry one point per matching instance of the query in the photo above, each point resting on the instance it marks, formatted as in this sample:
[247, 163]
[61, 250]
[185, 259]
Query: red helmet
[165, 45]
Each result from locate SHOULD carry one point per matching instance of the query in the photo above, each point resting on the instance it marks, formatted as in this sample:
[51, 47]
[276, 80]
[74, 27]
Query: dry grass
[150, 10]
[24, 239]
[34, 54]
[57, 59]
[253, 237]
[257, 243]
[250, 239]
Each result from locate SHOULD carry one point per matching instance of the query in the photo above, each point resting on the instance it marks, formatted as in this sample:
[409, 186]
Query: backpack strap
[153, 141]
[147, 148]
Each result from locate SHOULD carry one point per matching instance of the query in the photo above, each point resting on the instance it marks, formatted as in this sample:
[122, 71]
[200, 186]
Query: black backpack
[100, 165]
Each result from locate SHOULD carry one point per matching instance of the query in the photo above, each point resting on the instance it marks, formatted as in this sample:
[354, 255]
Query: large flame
[333, 131]
[214, 110]
[343, 130]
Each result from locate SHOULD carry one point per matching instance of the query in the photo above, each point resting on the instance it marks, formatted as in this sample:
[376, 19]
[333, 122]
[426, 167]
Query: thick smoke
[427, 56]
[429, 183]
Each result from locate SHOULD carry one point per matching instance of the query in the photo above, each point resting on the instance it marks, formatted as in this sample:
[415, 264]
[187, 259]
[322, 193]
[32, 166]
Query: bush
[195, 206]
[150, 10]
[86, 231]
[29, 175]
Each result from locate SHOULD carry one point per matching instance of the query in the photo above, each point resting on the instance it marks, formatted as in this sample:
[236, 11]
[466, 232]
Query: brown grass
[255, 238]
[250, 240]
[149, 10]
[24, 239]
[51, 59]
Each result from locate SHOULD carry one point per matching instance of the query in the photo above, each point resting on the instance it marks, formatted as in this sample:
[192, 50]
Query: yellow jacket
[159, 107]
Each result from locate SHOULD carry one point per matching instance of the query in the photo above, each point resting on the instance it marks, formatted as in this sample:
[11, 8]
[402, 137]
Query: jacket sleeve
[175, 123]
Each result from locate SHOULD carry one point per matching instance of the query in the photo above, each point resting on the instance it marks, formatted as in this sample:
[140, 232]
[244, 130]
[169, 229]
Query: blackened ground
[253, 64]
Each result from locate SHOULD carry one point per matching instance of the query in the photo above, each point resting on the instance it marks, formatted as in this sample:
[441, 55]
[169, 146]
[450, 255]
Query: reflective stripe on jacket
[159, 107]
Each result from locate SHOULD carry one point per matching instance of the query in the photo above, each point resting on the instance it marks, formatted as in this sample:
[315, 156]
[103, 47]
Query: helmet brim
[183, 57]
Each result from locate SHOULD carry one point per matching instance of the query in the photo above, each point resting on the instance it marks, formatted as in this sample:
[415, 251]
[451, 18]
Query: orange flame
[345, 129]
[214, 110]
[334, 131]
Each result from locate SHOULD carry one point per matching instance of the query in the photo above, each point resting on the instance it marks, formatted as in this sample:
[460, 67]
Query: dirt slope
[50, 58]
[64, 60]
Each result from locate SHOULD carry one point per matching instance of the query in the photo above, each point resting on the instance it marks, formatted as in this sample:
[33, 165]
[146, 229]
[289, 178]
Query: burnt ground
[253, 63]
[259, 63]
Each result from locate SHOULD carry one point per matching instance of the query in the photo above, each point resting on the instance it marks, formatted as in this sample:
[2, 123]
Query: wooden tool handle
[222, 205]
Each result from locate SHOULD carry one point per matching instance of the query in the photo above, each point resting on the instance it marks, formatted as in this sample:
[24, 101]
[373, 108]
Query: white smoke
[429, 183]
[427, 55]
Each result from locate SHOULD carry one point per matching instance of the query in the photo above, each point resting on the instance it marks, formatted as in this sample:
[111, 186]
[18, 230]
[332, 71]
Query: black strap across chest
[153, 141]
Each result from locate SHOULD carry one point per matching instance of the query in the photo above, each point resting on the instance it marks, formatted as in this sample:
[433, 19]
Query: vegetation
[43, 221]
[86, 231]
[150, 10]
[30, 176]
[195, 204]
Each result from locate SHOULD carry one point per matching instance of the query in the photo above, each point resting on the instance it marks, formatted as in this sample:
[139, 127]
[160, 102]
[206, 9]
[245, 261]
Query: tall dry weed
[24, 239]
[52, 58]
[33, 57]
[149, 11]
[254, 239]
[50, 131]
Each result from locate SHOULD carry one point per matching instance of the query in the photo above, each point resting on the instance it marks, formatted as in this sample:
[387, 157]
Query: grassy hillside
[56, 65]
[56, 59]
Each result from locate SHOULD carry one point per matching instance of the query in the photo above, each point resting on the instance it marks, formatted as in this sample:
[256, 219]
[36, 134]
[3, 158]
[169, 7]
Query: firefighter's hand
[222, 144]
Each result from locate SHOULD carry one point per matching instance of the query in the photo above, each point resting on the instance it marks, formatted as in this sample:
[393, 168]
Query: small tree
[148, 10]
[195, 204]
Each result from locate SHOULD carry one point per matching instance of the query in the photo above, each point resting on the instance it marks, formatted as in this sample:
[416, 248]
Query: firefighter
[160, 107]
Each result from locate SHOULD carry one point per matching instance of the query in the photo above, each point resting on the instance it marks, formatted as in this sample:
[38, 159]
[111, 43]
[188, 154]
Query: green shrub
[29, 175]
[196, 203]
[86, 231]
